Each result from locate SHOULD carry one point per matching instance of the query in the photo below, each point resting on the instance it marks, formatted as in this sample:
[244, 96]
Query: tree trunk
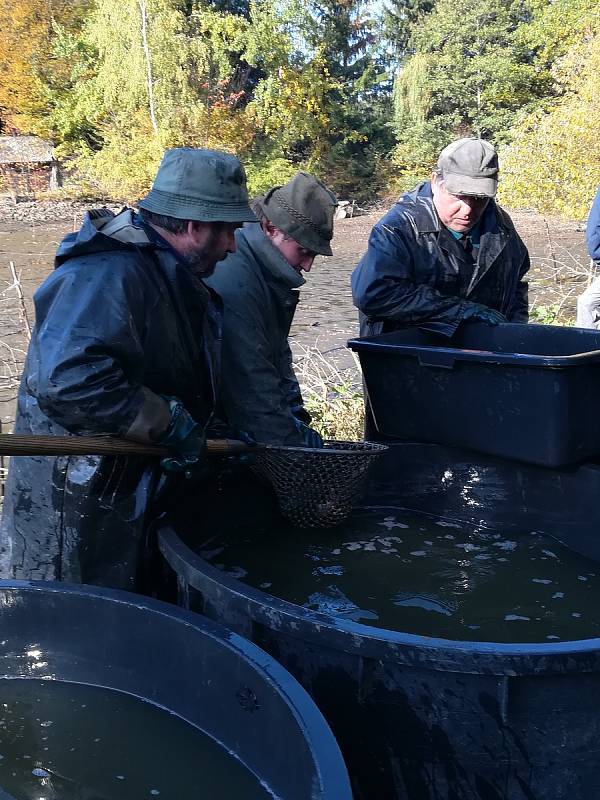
[144, 32]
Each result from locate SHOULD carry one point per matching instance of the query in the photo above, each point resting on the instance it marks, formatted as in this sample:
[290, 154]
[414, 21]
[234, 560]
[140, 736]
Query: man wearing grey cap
[259, 287]
[446, 252]
[126, 343]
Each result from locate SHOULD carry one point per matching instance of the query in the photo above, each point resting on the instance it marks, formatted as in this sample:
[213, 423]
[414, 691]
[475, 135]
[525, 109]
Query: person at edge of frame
[588, 303]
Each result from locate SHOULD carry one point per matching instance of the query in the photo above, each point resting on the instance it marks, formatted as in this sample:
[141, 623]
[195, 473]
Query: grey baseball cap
[202, 185]
[470, 166]
[303, 208]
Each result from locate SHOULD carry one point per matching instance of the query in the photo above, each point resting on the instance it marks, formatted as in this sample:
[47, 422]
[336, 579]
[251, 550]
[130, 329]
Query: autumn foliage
[361, 94]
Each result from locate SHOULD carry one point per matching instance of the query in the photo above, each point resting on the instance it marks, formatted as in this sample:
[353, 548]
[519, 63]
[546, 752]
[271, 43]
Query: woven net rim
[339, 446]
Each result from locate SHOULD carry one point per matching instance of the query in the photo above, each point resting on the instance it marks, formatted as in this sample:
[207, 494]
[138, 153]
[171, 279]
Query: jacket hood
[102, 231]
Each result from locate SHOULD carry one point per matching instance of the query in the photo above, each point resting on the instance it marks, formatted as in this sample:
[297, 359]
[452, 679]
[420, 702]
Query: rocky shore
[41, 211]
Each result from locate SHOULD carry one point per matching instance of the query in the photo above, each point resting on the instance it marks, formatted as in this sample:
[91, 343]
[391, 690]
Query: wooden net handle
[16, 444]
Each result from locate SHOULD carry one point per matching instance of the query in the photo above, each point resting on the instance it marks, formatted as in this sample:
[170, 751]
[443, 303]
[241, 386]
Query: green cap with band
[303, 208]
[201, 185]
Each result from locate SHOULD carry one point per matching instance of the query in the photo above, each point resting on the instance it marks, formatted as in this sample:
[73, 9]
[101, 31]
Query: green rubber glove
[310, 437]
[185, 438]
[475, 311]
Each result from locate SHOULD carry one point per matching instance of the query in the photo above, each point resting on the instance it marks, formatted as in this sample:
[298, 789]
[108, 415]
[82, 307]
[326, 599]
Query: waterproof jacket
[416, 272]
[593, 229]
[259, 290]
[120, 322]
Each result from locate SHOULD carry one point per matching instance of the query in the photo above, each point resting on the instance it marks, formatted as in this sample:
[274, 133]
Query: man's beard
[200, 266]
[203, 261]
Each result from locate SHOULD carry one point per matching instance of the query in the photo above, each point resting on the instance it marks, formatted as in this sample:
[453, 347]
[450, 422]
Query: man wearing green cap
[126, 343]
[446, 252]
[259, 287]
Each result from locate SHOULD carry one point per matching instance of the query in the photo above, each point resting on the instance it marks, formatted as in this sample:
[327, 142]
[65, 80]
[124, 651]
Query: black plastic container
[205, 674]
[525, 392]
[419, 718]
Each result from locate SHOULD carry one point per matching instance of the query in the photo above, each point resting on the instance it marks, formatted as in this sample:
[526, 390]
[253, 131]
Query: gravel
[29, 211]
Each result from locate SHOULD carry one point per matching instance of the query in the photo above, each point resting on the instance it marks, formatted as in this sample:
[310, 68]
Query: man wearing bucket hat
[259, 287]
[446, 252]
[126, 343]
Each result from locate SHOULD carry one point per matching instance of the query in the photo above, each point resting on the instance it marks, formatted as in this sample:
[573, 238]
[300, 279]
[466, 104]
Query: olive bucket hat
[303, 208]
[469, 166]
[202, 185]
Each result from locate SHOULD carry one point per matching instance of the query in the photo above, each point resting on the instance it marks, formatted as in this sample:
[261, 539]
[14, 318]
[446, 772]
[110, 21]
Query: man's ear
[268, 228]
[191, 227]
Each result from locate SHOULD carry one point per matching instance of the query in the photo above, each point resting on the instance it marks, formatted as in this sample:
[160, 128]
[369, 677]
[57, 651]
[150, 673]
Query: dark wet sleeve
[290, 386]
[87, 356]
[519, 310]
[254, 393]
[383, 285]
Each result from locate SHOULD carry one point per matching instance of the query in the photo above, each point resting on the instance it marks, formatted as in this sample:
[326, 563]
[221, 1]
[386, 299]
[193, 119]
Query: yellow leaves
[291, 105]
[221, 126]
[412, 91]
[127, 163]
[554, 161]
[24, 45]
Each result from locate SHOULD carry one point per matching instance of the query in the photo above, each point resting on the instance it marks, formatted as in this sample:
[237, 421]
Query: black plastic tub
[206, 675]
[526, 392]
[419, 718]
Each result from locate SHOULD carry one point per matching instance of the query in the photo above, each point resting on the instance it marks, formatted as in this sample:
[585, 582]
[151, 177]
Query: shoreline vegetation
[362, 95]
[333, 395]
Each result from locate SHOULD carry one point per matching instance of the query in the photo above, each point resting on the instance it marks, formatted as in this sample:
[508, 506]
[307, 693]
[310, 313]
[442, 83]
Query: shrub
[332, 395]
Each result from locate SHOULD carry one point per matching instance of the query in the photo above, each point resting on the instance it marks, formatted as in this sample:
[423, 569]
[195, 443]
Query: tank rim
[326, 755]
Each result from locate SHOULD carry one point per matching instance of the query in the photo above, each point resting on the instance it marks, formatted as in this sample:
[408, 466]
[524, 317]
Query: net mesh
[316, 488]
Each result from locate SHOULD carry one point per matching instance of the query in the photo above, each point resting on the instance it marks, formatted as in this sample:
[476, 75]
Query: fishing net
[316, 488]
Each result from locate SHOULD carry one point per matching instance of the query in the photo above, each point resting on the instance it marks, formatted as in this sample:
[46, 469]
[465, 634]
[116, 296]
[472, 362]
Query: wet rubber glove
[490, 316]
[310, 437]
[301, 413]
[185, 438]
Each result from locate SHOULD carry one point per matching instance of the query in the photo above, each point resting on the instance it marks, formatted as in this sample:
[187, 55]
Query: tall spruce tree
[398, 19]
[359, 138]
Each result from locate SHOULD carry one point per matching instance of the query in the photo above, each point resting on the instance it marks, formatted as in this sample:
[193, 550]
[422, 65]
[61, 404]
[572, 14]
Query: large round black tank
[419, 718]
[206, 675]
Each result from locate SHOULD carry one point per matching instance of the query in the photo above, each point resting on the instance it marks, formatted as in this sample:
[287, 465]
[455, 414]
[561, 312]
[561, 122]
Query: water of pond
[67, 741]
[409, 572]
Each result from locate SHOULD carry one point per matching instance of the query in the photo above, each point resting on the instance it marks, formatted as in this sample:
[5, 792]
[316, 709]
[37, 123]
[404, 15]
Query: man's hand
[185, 438]
[475, 311]
[310, 437]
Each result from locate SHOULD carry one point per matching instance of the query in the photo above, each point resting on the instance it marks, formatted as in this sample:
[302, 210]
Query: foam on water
[409, 572]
